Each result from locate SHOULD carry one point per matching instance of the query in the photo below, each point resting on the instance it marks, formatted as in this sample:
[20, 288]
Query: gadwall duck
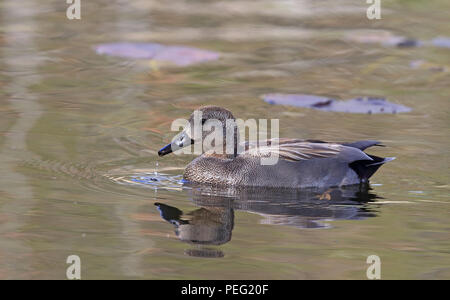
[299, 164]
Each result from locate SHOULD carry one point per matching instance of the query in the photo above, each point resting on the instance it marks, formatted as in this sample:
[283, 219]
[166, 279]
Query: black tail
[366, 168]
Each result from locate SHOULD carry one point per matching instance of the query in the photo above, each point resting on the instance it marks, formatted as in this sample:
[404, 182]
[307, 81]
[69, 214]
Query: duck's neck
[227, 152]
[224, 153]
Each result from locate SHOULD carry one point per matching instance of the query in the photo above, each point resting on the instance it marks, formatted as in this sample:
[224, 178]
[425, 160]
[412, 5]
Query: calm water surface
[79, 134]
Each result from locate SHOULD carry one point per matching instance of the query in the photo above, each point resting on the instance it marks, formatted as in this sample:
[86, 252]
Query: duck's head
[212, 127]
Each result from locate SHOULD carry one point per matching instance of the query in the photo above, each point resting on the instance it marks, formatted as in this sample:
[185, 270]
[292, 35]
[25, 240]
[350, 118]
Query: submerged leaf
[367, 105]
[178, 55]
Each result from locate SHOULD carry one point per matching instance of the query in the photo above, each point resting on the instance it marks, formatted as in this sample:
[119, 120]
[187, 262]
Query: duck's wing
[361, 145]
[300, 150]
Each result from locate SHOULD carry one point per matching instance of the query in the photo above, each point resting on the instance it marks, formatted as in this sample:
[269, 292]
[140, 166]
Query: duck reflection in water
[207, 225]
[212, 223]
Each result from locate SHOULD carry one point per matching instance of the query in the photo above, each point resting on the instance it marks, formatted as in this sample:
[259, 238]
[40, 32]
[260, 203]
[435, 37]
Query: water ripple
[152, 180]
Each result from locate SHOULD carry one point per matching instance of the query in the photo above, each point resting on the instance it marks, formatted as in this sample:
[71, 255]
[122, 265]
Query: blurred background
[81, 121]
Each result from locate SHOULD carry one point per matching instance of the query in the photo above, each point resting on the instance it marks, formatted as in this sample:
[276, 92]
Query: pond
[80, 131]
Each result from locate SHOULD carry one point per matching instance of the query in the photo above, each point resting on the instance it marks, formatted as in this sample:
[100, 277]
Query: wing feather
[293, 150]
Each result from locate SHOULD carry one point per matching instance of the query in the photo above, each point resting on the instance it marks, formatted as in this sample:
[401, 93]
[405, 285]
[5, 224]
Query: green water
[76, 127]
